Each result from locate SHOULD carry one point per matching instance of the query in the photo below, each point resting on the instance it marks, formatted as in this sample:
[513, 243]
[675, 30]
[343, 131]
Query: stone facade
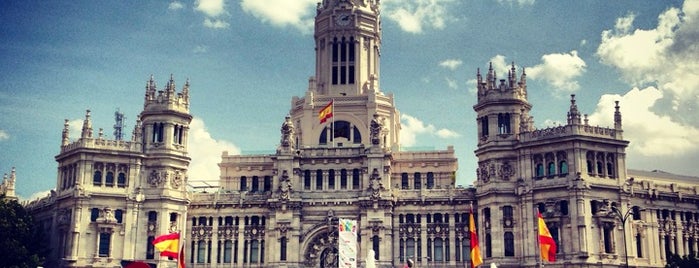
[113, 197]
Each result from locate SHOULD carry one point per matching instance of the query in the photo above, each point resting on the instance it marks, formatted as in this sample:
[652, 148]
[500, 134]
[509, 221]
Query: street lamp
[623, 216]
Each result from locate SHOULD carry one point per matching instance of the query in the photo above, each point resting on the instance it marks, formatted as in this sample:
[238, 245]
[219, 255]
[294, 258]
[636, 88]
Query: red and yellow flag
[546, 242]
[180, 259]
[326, 112]
[475, 249]
[168, 245]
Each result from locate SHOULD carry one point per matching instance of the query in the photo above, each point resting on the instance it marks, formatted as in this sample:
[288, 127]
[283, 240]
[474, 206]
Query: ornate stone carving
[288, 133]
[506, 171]
[376, 128]
[155, 179]
[177, 180]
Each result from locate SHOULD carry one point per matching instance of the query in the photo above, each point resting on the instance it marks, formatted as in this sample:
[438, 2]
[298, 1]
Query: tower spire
[617, 116]
[573, 113]
[87, 126]
[65, 137]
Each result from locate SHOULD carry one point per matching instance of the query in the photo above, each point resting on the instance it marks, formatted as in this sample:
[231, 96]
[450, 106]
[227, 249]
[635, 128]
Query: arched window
[341, 131]
[243, 183]
[343, 179]
[121, 180]
[539, 171]
[417, 180]
[563, 167]
[255, 184]
[319, 179]
[509, 244]
[484, 126]
[97, 178]
[331, 179]
[355, 178]
[430, 180]
[306, 179]
[504, 124]
[405, 184]
[610, 170]
[109, 179]
[551, 169]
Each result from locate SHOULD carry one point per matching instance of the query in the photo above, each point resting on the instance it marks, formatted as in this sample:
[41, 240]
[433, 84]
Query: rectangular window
[343, 75]
[201, 251]
[255, 184]
[355, 179]
[150, 249]
[227, 249]
[254, 251]
[104, 243]
[268, 184]
[243, 183]
[335, 74]
[350, 75]
[282, 249]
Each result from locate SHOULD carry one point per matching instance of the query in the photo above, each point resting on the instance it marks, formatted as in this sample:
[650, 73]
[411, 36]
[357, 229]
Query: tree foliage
[20, 241]
[686, 261]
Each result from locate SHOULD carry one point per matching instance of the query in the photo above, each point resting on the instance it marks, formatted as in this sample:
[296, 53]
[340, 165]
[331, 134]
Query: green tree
[20, 242]
[686, 261]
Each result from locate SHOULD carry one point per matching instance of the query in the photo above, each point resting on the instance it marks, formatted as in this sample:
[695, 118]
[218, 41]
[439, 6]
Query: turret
[65, 137]
[503, 109]
[7, 187]
[87, 126]
[573, 113]
[617, 116]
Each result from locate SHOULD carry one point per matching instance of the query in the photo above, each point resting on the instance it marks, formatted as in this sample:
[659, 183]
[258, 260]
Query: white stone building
[113, 197]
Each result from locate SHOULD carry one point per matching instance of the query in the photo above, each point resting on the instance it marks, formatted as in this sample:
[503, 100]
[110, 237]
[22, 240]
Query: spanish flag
[180, 260]
[475, 249]
[546, 243]
[168, 245]
[326, 112]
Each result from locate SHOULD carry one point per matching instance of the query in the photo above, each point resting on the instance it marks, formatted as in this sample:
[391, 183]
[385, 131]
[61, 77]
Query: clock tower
[348, 41]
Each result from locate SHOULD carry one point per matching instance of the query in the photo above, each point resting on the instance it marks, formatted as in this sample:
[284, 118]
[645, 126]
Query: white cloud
[215, 23]
[414, 16]
[205, 152]
[175, 5]
[211, 8]
[518, 2]
[298, 14]
[75, 128]
[660, 118]
[451, 83]
[200, 49]
[451, 64]
[214, 10]
[650, 134]
[560, 71]
[4, 135]
[412, 127]
[35, 196]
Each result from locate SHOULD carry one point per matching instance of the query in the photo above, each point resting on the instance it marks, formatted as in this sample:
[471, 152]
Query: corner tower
[163, 128]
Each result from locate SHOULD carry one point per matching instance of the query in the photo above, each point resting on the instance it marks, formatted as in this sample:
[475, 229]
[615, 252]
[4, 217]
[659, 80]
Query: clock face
[343, 19]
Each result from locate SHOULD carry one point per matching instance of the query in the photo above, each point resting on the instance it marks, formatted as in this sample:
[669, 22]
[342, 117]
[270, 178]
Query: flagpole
[537, 254]
[332, 127]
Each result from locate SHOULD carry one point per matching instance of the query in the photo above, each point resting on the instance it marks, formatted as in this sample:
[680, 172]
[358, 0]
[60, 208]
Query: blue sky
[246, 59]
